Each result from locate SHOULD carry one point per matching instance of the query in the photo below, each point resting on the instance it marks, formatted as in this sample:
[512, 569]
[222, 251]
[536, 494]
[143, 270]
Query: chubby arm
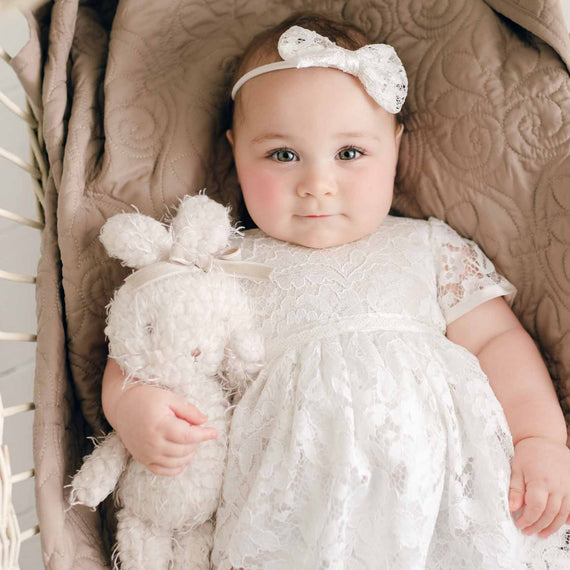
[540, 479]
[515, 369]
[160, 429]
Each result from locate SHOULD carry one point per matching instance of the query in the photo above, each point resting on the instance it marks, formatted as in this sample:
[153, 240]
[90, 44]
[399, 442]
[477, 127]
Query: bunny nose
[196, 353]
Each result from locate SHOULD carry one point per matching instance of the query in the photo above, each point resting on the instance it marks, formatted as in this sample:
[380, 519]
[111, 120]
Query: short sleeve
[466, 277]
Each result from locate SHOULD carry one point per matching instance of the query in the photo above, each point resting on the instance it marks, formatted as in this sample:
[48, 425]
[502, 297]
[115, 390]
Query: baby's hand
[159, 428]
[540, 482]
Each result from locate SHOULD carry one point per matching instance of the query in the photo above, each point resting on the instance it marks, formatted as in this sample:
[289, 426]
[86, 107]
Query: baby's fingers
[550, 512]
[536, 499]
[516, 490]
[559, 520]
[168, 469]
[186, 411]
[177, 450]
[183, 433]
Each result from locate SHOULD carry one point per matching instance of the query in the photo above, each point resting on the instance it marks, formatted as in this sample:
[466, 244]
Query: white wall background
[19, 252]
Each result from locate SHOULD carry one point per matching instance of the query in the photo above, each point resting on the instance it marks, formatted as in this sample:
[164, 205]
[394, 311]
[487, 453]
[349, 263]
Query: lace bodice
[413, 269]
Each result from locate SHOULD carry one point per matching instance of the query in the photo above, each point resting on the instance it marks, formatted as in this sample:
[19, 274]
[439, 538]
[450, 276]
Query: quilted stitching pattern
[128, 119]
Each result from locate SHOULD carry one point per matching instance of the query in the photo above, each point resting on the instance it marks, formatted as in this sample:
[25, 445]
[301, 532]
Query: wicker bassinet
[124, 96]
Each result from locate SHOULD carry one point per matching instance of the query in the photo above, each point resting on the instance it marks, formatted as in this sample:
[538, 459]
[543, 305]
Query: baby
[404, 418]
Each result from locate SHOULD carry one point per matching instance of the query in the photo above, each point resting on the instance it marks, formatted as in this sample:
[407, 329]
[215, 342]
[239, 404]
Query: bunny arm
[245, 349]
[243, 358]
[100, 472]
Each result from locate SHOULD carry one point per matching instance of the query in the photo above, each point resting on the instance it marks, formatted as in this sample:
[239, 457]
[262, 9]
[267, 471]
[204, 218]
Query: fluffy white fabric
[136, 240]
[190, 331]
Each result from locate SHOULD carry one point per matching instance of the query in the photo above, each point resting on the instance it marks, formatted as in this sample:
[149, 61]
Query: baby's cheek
[262, 192]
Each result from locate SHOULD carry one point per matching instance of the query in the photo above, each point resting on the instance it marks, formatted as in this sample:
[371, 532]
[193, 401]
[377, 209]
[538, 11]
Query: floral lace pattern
[369, 439]
[466, 277]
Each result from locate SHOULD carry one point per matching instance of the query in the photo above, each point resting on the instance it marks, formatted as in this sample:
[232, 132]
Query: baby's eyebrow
[357, 135]
[270, 136]
[348, 135]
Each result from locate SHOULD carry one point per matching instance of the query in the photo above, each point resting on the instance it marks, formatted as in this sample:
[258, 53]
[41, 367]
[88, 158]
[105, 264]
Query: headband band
[376, 66]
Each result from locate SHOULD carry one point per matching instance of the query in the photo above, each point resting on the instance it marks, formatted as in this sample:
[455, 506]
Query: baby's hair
[262, 49]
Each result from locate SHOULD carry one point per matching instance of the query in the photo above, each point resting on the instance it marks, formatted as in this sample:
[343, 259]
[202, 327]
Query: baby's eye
[349, 153]
[283, 155]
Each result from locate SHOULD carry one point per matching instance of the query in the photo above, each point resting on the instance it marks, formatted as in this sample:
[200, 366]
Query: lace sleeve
[465, 275]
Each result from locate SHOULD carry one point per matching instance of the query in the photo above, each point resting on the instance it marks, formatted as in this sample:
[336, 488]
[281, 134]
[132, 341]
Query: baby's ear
[137, 240]
[230, 137]
[399, 133]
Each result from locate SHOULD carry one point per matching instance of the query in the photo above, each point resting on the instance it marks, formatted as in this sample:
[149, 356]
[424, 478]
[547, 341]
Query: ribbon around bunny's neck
[376, 66]
[229, 262]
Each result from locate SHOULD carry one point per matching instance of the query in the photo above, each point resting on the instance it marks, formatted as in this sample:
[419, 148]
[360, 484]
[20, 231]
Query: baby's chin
[319, 236]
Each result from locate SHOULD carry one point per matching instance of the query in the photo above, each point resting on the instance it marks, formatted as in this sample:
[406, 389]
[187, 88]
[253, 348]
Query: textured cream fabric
[128, 119]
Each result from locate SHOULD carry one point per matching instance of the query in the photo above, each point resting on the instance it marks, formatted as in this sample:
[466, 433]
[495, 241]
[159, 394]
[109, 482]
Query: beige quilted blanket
[130, 94]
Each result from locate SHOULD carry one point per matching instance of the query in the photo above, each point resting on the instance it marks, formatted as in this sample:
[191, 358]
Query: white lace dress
[370, 441]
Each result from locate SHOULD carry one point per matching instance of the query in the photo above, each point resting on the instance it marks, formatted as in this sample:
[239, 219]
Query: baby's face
[315, 156]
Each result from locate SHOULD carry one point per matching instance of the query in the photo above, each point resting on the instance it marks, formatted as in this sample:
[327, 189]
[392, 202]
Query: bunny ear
[137, 240]
[201, 226]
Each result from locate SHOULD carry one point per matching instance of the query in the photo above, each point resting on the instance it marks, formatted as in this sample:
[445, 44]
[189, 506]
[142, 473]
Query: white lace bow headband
[376, 66]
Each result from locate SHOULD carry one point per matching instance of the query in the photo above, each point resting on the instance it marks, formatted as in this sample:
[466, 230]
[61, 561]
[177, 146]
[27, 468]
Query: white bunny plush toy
[182, 322]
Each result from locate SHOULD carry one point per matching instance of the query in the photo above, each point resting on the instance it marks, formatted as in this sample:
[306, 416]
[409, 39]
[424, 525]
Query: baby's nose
[316, 182]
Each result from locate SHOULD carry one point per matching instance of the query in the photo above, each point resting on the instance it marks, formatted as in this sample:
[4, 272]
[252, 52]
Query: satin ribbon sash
[229, 262]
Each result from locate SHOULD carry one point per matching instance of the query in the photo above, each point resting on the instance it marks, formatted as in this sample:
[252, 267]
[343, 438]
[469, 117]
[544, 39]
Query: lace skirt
[372, 449]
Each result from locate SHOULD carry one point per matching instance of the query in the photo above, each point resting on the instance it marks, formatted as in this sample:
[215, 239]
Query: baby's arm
[540, 479]
[159, 428]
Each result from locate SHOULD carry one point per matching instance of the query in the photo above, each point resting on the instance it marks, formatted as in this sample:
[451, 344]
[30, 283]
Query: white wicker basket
[11, 535]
